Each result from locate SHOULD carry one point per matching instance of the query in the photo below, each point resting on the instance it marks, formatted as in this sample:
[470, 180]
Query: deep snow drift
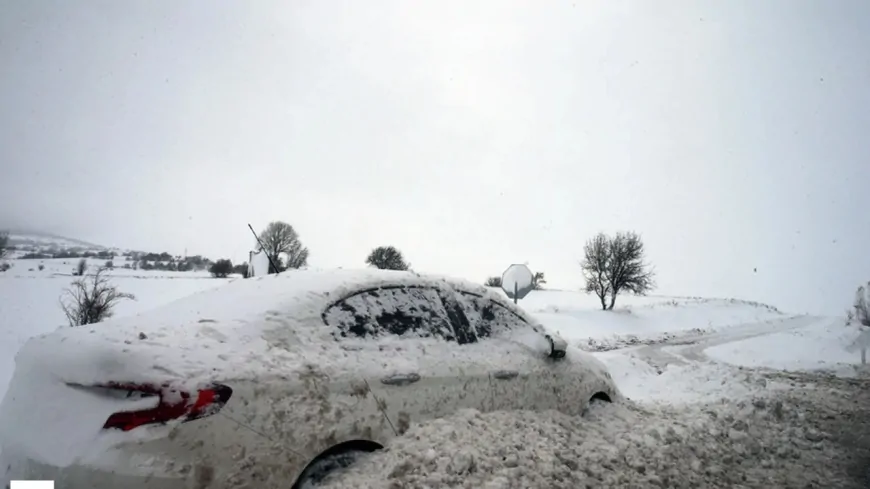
[759, 442]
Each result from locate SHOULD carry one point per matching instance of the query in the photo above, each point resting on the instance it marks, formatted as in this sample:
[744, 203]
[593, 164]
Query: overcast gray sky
[732, 134]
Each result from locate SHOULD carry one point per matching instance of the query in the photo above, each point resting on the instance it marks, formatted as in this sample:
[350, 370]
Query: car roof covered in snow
[298, 295]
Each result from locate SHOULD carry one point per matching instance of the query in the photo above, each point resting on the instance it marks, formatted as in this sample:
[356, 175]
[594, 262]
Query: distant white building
[258, 264]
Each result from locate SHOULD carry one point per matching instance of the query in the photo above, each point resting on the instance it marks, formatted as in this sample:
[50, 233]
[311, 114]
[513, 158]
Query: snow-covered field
[578, 317]
[820, 346]
[700, 409]
[31, 300]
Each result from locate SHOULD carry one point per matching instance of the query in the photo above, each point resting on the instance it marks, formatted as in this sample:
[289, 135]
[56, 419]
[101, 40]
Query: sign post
[517, 281]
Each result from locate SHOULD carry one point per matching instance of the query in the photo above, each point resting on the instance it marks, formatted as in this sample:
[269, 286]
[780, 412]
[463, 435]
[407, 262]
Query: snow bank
[640, 320]
[821, 346]
[764, 443]
[692, 382]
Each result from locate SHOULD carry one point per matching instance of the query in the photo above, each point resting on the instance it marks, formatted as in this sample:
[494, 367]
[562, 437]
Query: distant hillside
[38, 246]
[22, 239]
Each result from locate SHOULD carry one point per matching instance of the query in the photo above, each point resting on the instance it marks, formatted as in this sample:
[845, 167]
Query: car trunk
[75, 395]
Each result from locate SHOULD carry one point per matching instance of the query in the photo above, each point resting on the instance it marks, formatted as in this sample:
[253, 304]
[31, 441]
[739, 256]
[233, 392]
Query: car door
[409, 333]
[522, 376]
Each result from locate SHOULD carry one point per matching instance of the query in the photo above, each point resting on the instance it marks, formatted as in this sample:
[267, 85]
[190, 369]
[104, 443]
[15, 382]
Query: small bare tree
[539, 281]
[90, 299]
[595, 265]
[387, 258]
[612, 265]
[81, 268]
[493, 282]
[627, 269]
[861, 307]
[279, 238]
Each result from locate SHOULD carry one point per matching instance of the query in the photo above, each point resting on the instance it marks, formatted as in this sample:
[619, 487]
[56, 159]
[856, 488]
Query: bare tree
[595, 265]
[538, 280]
[90, 299]
[861, 306]
[387, 258]
[494, 281]
[627, 269]
[279, 238]
[81, 267]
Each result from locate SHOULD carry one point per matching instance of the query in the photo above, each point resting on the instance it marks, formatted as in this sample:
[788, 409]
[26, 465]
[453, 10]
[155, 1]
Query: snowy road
[691, 348]
[777, 429]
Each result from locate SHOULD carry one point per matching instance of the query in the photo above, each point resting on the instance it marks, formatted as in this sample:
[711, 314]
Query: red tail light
[173, 405]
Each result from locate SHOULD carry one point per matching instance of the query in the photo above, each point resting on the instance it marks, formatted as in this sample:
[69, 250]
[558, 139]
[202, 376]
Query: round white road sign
[517, 281]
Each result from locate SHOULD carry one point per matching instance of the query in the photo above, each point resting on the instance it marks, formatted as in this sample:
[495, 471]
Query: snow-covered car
[275, 381]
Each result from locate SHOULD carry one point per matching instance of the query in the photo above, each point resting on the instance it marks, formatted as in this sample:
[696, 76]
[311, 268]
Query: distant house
[258, 264]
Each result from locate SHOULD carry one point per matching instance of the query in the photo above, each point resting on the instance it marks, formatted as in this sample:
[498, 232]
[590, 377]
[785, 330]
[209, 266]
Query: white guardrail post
[862, 343]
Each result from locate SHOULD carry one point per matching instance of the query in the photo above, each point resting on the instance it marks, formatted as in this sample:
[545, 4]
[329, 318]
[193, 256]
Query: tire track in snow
[684, 350]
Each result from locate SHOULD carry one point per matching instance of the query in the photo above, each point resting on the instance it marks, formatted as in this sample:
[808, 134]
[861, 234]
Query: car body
[254, 380]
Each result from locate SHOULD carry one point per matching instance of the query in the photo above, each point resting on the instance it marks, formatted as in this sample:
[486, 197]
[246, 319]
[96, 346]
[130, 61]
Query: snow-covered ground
[578, 317]
[700, 408]
[30, 304]
[754, 444]
[65, 267]
[823, 345]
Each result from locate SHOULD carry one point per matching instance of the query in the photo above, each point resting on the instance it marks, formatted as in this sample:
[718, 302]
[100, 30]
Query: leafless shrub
[90, 299]
[539, 280]
[493, 282]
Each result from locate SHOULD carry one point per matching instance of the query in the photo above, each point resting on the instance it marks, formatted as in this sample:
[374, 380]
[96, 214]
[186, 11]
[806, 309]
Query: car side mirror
[558, 346]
